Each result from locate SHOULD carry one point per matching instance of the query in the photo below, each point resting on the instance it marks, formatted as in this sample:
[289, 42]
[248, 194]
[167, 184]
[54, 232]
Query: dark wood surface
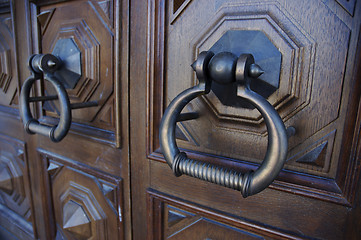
[78, 188]
[108, 179]
[316, 194]
[17, 214]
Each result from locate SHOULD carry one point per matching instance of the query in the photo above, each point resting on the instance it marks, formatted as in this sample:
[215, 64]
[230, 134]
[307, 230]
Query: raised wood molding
[349, 167]
[348, 5]
[96, 36]
[177, 9]
[158, 220]
[8, 68]
[87, 202]
[15, 196]
[326, 183]
[18, 226]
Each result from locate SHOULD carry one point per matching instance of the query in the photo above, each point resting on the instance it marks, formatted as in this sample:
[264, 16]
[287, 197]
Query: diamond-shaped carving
[176, 215]
[178, 7]
[90, 209]
[106, 116]
[53, 169]
[109, 190]
[76, 220]
[181, 224]
[85, 207]
[106, 6]
[177, 219]
[44, 18]
[13, 177]
[177, 4]
[6, 184]
[182, 133]
[316, 156]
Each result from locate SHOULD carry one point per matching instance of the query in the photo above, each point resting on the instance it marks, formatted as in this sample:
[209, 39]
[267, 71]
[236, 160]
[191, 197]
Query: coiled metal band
[211, 173]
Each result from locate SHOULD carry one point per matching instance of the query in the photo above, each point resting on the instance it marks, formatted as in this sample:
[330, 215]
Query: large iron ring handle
[55, 133]
[249, 183]
[44, 66]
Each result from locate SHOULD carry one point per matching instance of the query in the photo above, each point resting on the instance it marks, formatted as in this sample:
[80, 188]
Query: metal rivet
[51, 63]
[255, 71]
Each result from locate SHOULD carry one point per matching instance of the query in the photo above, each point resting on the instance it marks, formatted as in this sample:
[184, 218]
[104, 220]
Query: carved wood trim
[177, 8]
[348, 5]
[339, 190]
[20, 227]
[86, 198]
[101, 132]
[349, 166]
[45, 154]
[16, 199]
[157, 201]
[9, 80]
[155, 69]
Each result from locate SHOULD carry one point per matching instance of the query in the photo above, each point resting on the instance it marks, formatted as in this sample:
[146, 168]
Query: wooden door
[77, 188]
[16, 212]
[317, 194]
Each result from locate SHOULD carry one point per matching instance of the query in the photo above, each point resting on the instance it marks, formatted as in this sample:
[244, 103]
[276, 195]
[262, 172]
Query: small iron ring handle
[55, 133]
[249, 183]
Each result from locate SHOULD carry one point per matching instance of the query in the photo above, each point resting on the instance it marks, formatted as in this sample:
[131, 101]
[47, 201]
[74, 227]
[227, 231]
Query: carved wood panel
[87, 204]
[8, 70]
[171, 218]
[314, 63]
[91, 27]
[15, 196]
[348, 5]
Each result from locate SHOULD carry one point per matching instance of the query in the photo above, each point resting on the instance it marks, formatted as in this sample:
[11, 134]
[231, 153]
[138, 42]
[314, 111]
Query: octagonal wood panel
[90, 25]
[309, 97]
[87, 204]
[15, 193]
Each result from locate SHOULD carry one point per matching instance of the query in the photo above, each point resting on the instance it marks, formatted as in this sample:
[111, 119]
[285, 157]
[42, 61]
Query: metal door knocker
[225, 68]
[48, 67]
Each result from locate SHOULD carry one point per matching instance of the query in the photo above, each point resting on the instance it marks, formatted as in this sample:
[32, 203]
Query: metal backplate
[266, 56]
[68, 52]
